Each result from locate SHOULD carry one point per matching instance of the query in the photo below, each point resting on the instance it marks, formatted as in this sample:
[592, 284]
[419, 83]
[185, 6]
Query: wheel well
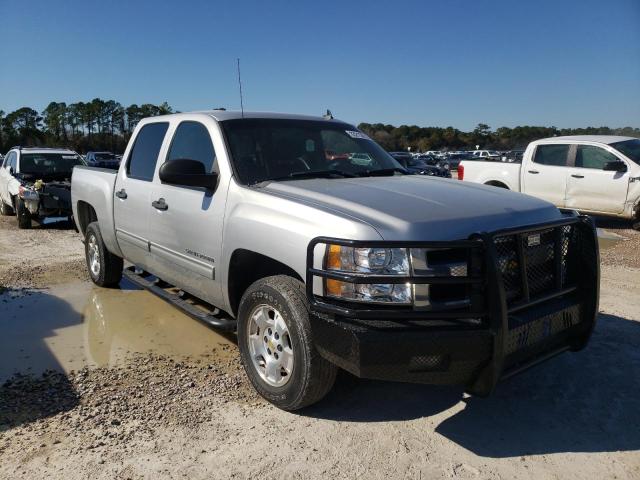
[86, 215]
[495, 183]
[247, 267]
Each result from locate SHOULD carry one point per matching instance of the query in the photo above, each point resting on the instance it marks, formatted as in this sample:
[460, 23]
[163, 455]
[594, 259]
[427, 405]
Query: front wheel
[105, 268]
[22, 213]
[276, 345]
[5, 209]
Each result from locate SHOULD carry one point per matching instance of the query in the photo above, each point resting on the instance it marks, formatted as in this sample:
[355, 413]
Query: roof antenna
[240, 85]
[328, 115]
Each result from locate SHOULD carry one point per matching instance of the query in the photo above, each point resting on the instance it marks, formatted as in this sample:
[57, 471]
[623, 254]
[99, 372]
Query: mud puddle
[74, 325]
[607, 239]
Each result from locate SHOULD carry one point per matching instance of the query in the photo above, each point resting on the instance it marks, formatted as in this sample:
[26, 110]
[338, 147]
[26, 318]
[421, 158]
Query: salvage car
[322, 264]
[419, 166]
[594, 174]
[35, 183]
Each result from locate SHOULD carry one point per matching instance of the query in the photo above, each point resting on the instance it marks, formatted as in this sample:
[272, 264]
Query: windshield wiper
[382, 172]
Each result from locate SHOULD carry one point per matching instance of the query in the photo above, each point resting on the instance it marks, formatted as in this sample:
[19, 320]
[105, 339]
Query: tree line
[107, 125]
[82, 126]
[423, 139]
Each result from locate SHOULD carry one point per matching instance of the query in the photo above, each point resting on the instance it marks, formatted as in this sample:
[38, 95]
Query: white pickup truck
[597, 174]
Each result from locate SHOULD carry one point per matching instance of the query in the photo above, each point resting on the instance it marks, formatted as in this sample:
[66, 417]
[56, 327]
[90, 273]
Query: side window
[144, 154]
[555, 155]
[192, 141]
[588, 156]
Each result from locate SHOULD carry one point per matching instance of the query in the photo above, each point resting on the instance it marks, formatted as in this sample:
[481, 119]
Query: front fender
[280, 229]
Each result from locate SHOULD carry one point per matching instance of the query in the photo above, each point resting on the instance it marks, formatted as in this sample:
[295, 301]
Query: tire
[310, 377]
[636, 225]
[107, 271]
[5, 210]
[23, 215]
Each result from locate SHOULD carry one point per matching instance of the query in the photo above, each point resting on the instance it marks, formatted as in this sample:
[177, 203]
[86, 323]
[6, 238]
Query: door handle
[534, 171]
[577, 176]
[121, 193]
[160, 204]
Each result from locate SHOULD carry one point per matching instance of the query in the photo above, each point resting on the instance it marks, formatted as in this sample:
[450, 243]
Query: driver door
[185, 223]
[590, 187]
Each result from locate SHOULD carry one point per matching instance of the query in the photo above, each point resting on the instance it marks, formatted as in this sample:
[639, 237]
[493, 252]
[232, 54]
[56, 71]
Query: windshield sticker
[69, 157]
[356, 134]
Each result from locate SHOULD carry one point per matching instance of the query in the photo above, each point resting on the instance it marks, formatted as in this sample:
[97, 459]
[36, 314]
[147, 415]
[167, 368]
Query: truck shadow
[31, 385]
[581, 402]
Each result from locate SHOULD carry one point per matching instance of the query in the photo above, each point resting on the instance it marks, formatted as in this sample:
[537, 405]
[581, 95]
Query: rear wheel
[105, 268]
[23, 215]
[276, 346]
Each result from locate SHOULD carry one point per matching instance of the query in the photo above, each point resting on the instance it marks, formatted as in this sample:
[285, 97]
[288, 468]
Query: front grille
[537, 263]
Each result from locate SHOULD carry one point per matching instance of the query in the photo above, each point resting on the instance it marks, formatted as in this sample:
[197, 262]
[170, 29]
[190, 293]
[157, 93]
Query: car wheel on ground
[23, 215]
[105, 268]
[5, 209]
[276, 347]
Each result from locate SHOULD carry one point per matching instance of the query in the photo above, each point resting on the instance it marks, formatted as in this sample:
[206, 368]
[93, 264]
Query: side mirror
[189, 173]
[616, 166]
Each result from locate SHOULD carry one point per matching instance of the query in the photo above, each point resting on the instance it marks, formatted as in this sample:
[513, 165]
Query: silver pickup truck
[309, 240]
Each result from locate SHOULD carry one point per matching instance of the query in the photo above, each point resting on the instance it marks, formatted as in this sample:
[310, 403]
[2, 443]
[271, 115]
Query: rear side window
[144, 154]
[555, 155]
[192, 141]
[588, 156]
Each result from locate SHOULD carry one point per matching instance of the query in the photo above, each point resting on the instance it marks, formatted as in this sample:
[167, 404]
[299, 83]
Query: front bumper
[497, 336]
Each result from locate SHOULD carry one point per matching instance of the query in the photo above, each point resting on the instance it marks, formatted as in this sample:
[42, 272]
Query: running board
[217, 321]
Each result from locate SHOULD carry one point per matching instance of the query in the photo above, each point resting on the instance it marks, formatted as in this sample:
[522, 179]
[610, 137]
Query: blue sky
[432, 63]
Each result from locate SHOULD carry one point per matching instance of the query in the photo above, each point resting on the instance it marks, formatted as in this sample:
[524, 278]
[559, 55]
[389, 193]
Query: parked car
[513, 156]
[323, 264]
[35, 183]
[454, 159]
[484, 153]
[419, 166]
[102, 160]
[595, 174]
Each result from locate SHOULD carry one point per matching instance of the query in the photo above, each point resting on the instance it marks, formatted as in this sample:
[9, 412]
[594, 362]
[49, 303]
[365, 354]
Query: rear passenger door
[545, 175]
[186, 231]
[590, 187]
[132, 200]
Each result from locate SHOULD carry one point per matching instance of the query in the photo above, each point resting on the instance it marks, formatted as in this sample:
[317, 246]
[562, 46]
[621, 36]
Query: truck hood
[419, 207]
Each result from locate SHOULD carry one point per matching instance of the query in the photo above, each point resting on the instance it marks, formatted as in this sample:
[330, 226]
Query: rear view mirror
[616, 166]
[189, 173]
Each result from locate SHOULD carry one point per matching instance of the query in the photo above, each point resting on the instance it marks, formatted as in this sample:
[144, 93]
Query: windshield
[631, 148]
[48, 163]
[269, 149]
[104, 156]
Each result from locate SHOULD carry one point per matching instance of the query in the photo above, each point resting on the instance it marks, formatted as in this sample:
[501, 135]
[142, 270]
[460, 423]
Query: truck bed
[492, 173]
[95, 187]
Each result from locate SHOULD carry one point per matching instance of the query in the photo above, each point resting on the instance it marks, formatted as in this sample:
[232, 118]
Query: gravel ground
[154, 416]
[41, 256]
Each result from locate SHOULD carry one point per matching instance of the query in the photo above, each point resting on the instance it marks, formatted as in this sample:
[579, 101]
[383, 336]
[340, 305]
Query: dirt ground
[161, 413]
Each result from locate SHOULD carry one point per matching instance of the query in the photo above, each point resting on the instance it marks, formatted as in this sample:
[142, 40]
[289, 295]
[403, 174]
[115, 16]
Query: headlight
[27, 193]
[368, 261]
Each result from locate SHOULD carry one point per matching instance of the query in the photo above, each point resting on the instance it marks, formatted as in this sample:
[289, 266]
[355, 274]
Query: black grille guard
[494, 309]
